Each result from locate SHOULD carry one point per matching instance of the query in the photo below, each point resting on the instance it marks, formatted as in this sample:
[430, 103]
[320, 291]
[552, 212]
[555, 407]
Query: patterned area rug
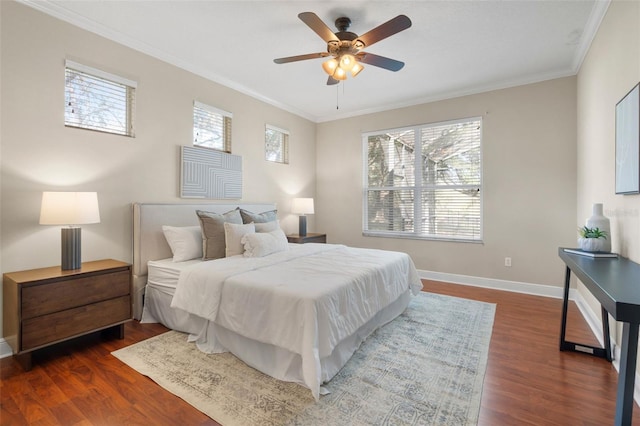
[424, 368]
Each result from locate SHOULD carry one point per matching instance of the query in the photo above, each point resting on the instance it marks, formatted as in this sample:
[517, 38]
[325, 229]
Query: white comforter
[305, 300]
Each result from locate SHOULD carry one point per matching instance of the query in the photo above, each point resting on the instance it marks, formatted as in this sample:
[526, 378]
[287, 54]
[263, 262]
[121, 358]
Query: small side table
[309, 238]
[45, 306]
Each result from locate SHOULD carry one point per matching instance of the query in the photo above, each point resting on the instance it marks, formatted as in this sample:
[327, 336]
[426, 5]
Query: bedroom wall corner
[610, 69]
[529, 167]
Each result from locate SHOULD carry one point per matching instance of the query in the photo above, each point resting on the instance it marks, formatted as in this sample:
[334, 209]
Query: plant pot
[592, 244]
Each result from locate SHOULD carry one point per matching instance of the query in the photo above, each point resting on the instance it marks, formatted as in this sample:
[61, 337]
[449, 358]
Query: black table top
[615, 282]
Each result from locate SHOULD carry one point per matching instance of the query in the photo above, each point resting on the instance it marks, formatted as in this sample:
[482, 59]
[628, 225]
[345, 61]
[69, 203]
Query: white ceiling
[453, 48]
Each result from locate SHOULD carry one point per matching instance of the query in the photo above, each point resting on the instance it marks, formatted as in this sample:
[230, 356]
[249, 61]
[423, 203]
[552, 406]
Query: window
[424, 181]
[276, 144]
[97, 100]
[211, 127]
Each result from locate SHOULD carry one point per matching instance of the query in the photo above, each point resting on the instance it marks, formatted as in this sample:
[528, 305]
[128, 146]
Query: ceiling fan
[345, 47]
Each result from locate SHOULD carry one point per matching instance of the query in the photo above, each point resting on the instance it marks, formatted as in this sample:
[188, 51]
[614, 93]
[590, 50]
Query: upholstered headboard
[149, 242]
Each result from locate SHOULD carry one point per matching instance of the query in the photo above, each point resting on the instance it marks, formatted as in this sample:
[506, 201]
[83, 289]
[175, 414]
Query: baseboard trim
[513, 286]
[593, 320]
[5, 349]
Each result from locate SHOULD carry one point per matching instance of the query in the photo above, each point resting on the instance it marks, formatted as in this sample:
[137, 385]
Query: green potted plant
[592, 239]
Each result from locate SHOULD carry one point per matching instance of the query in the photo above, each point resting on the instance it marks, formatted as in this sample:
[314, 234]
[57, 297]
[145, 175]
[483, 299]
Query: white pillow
[185, 241]
[233, 234]
[264, 243]
[267, 226]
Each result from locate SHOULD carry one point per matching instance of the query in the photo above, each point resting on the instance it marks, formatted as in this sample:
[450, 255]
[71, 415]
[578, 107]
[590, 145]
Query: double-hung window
[276, 144]
[97, 100]
[424, 181]
[211, 127]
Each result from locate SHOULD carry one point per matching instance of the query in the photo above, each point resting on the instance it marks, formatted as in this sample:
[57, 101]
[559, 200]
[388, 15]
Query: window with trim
[211, 127]
[276, 144]
[424, 181]
[97, 100]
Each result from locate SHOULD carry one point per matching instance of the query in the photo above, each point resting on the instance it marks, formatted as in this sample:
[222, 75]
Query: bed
[297, 314]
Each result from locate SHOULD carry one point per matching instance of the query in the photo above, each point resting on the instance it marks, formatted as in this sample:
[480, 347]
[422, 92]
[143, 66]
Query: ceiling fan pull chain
[337, 97]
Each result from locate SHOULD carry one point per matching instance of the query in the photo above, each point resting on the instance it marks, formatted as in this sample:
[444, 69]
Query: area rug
[424, 368]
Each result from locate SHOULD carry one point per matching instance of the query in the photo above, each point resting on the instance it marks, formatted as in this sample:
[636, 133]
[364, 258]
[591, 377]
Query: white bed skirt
[157, 308]
[272, 360]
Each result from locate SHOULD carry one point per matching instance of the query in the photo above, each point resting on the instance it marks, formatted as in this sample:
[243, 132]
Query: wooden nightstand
[46, 306]
[309, 238]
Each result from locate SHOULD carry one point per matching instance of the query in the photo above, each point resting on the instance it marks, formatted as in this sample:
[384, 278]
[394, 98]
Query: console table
[615, 282]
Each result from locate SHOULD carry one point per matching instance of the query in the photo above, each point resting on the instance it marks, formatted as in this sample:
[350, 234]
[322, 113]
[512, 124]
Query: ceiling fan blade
[316, 24]
[380, 61]
[301, 57]
[331, 81]
[389, 28]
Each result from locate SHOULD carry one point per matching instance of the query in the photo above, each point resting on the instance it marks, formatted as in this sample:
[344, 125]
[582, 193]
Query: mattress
[164, 274]
[161, 285]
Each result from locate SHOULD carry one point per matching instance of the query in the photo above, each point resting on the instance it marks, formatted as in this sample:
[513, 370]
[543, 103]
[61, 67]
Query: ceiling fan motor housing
[346, 44]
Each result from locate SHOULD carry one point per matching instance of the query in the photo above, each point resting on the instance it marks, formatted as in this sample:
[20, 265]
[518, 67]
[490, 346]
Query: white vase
[600, 221]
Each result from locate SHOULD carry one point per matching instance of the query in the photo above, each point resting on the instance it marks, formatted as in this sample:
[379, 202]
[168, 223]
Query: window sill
[405, 236]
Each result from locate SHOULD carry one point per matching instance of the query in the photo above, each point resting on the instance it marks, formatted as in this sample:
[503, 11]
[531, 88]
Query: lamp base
[71, 248]
[302, 226]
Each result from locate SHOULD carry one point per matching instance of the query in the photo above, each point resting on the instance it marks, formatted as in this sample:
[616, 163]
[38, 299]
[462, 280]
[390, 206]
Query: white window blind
[276, 144]
[211, 127]
[97, 100]
[424, 181]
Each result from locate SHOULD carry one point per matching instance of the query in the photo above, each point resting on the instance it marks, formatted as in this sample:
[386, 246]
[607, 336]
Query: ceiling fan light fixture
[340, 74]
[355, 70]
[330, 66]
[347, 61]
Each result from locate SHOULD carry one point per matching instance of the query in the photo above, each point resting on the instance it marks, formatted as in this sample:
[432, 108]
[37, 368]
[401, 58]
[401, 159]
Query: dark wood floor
[528, 381]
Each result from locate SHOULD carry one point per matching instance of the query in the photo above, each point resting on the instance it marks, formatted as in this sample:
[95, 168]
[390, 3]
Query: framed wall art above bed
[210, 174]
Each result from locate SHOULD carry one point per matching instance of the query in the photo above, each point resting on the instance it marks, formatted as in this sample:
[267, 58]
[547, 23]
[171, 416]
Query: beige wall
[40, 154]
[529, 179]
[610, 69]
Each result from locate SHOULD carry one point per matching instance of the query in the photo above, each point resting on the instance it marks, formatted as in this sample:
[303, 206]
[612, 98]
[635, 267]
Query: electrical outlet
[507, 261]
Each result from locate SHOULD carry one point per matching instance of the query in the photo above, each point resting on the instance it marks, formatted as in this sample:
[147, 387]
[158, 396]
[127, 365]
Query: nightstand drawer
[73, 322]
[309, 238]
[42, 299]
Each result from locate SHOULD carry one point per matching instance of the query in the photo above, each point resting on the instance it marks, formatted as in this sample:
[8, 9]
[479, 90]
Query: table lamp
[70, 208]
[302, 206]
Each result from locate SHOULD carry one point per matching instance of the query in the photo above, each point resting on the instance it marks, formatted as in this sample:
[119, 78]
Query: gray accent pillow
[267, 226]
[212, 225]
[248, 217]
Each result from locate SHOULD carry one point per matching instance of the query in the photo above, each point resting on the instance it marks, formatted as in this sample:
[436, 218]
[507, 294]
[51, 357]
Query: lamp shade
[330, 66]
[302, 206]
[355, 70]
[69, 208]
